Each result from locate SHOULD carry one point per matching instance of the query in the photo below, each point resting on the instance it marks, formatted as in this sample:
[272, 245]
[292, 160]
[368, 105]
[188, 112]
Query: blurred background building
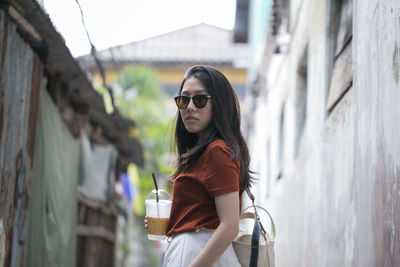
[171, 54]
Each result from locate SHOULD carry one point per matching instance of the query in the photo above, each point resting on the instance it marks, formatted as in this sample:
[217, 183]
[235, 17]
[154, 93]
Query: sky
[112, 23]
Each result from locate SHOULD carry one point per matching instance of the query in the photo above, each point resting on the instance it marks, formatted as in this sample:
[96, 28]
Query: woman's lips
[191, 119]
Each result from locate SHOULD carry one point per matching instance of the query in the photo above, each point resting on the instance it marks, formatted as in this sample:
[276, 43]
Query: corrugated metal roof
[58, 61]
[201, 43]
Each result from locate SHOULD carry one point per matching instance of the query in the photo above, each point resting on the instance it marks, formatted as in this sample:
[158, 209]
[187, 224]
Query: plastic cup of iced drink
[157, 214]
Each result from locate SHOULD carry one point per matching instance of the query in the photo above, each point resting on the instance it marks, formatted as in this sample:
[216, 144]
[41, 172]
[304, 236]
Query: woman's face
[196, 120]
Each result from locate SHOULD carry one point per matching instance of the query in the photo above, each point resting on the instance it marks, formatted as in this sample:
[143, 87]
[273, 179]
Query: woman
[212, 172]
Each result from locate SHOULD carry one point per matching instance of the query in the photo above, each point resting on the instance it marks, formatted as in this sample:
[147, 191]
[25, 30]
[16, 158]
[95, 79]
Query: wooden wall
[97, 224]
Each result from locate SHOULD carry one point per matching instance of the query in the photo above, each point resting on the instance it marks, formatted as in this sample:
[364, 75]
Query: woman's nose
[191, 105]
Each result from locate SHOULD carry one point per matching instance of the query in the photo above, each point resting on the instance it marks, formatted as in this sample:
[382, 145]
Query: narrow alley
[85, 139]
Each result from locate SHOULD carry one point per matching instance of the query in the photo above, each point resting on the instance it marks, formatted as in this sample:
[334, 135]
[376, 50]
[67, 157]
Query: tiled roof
[201, 43]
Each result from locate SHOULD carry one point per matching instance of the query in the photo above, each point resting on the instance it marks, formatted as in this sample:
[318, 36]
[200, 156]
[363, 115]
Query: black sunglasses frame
[186, 100]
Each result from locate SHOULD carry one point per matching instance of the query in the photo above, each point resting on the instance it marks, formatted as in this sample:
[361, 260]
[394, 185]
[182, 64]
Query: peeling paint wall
[334, 193]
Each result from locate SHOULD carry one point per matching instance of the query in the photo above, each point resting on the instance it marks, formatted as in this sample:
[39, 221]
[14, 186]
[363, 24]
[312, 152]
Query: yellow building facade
[171, 54]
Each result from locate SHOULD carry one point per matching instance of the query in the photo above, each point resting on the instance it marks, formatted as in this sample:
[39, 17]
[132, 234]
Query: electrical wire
[97, 60]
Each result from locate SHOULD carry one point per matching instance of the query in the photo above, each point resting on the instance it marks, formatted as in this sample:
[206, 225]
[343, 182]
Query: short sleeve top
[214, 173]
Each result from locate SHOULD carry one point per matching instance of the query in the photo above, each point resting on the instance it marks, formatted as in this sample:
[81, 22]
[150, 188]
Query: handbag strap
[256, 216]
[250, 215]
[255, 242]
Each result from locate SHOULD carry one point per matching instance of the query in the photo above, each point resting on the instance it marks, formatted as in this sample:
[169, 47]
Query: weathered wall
[20, 75]
[376, 131]
[334, 194]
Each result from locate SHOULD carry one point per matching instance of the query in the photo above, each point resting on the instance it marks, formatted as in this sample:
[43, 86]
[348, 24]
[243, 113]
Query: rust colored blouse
[214, 173]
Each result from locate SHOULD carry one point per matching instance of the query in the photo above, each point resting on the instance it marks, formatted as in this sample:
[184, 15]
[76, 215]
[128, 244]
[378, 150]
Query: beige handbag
[242, 244]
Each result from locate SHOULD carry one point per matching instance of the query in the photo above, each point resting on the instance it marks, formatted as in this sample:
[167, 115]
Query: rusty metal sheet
[15, 83]
[3, 46]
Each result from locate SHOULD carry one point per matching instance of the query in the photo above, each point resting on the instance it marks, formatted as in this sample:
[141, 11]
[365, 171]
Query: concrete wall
[334, 191]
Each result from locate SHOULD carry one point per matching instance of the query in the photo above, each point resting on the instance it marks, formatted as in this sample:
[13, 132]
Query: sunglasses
[200, 101]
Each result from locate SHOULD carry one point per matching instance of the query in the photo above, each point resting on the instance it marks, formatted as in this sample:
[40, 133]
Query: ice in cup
[157, 213]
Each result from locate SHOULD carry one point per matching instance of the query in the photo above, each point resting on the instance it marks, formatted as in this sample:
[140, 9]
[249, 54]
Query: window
[280, 25]
[281, 143]
[340, 51]
[301, 99]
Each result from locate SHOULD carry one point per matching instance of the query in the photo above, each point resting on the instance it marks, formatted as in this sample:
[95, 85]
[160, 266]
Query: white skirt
[184, 248]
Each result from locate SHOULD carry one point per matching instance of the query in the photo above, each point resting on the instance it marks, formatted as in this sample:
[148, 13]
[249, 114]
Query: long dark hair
[225, 125]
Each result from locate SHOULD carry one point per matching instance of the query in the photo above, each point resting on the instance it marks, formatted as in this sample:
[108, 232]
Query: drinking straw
[155, 184]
